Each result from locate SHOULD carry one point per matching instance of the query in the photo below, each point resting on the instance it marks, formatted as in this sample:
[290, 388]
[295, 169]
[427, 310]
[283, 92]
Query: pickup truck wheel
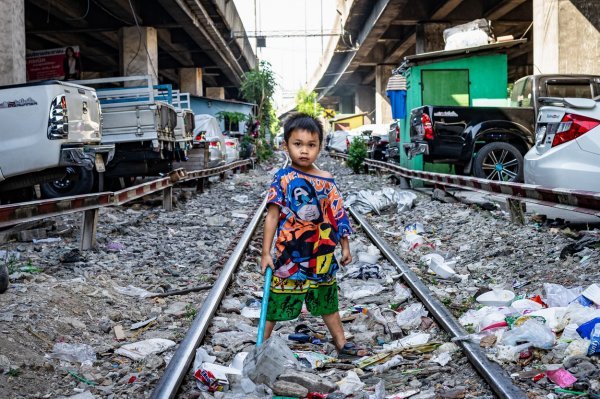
[76, 181]
[499, 161]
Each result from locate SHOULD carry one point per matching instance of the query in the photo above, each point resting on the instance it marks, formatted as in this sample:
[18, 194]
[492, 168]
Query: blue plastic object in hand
[263, 310]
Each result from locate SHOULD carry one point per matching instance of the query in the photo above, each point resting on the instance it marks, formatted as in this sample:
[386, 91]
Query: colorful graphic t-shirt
[312, 221]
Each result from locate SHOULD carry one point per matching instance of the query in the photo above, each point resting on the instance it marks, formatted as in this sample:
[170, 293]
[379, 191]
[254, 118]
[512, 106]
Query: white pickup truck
[138, 123]
[51, 136]
[184, 130]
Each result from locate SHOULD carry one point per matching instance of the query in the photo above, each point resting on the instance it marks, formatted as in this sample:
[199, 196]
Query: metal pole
[496, 377]
[88, 229]
[182, 359]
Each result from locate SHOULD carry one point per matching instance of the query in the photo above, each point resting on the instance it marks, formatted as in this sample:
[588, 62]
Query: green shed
[475, 76]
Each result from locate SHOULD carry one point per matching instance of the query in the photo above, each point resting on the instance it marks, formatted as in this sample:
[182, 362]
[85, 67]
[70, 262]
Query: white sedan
[567, 149]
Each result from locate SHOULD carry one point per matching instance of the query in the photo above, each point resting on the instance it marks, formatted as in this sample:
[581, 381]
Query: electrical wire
[83, 16]
[141, 42]
[106, 10]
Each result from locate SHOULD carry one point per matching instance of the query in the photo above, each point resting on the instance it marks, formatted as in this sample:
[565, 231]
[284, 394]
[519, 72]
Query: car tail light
[347, 143]
[427, 127]
[229, 144]
[572, 126]
[214, 144]
[397, 133]
[58, 120]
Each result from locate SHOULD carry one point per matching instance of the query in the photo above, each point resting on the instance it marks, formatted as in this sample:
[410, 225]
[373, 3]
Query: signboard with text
[47, 64]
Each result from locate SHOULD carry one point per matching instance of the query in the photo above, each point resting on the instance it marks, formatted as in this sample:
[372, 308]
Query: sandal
[351, 351]
[305, 329]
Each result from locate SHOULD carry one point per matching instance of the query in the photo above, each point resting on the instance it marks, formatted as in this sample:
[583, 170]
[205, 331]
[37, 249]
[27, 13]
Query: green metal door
[445, 87]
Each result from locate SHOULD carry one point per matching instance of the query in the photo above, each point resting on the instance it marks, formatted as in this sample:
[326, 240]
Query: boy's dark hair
[300, 121]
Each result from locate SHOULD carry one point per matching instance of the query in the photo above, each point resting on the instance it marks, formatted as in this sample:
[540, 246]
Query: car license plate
[99, 161]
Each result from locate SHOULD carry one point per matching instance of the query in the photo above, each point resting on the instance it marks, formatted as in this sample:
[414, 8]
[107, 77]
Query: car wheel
[76, 181]
[499, 161]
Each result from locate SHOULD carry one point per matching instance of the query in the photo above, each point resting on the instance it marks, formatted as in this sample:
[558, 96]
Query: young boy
[305, 209]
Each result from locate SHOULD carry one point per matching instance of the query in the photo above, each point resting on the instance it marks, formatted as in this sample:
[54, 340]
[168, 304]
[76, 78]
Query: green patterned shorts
[286, 298]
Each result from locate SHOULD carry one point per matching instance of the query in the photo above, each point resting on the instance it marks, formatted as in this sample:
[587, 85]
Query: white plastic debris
[80, 353]
[141, 349]
[411, 340]
[411, 316]
[134, 291]
[350, 384]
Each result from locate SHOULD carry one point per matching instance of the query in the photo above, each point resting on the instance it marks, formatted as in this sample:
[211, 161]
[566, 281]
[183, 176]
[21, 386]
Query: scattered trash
[48, 240]
[266, 362]
[356, 289]
[80, 353]
[561, 377]
[533, 332]
[350, 384]
[366, 201]
[141, 349]
[131, 290]
[411, 316]
[496, 298]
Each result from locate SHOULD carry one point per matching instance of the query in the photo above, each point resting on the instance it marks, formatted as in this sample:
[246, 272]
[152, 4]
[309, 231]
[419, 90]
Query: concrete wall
[211, 106]
[12, 39]
[566, 37]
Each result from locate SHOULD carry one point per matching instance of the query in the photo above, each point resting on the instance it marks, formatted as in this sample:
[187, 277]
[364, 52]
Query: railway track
[436, 368]
[468, 374]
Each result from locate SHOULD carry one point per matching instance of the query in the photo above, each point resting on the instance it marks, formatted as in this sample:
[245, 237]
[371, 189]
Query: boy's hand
[266, 260]
[346, 256]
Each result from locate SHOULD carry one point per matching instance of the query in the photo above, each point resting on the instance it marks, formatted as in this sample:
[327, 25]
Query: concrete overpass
[184, 42]
[377, 35]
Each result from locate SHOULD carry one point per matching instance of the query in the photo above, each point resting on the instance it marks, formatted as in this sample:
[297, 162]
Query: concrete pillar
[564, 39]
[430, 37]
[139, 52]
[364, 101]
[216, 92]
[383, 108]
[190, 81]
[12, 37]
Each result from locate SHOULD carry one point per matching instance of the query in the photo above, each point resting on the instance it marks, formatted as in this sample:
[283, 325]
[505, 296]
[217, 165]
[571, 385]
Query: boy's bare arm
[346, 255]
[268, 234]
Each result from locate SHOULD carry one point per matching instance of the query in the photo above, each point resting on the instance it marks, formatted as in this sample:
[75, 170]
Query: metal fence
[580, 201]
[89, 204]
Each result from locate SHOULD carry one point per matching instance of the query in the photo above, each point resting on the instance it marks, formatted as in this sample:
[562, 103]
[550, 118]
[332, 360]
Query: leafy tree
[307, 103]
[258, 86]
[356, 154]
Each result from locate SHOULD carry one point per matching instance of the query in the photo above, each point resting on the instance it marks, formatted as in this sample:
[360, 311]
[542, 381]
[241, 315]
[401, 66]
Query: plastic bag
[595, 338]
[393, 362]
[350, 384]
[379, 391]
[366, 201]
[266, 362]
[558, 295]
[401, 293]
[141, 349]
[81, 353]
[356, 289]
[534, 332]
[131, 290]
[411, 316]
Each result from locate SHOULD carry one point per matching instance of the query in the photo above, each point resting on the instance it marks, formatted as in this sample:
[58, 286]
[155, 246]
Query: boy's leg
[269, 325]
[334, 325]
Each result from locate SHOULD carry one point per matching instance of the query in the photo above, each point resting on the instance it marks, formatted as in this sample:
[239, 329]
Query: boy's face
[303, 148]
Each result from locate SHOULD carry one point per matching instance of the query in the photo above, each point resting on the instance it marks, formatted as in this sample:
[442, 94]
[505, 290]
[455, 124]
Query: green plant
[190, 311]
[307, 103]
[231, 117]
[258, 86]
[263, 149]
[357, 153]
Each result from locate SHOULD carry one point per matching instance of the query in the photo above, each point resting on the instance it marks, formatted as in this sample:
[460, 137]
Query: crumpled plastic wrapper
[366, 201]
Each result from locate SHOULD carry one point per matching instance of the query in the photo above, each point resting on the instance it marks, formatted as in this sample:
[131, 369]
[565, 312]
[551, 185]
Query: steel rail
[496, 377]
[13, 214]
[580, 201]
[169, 383]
